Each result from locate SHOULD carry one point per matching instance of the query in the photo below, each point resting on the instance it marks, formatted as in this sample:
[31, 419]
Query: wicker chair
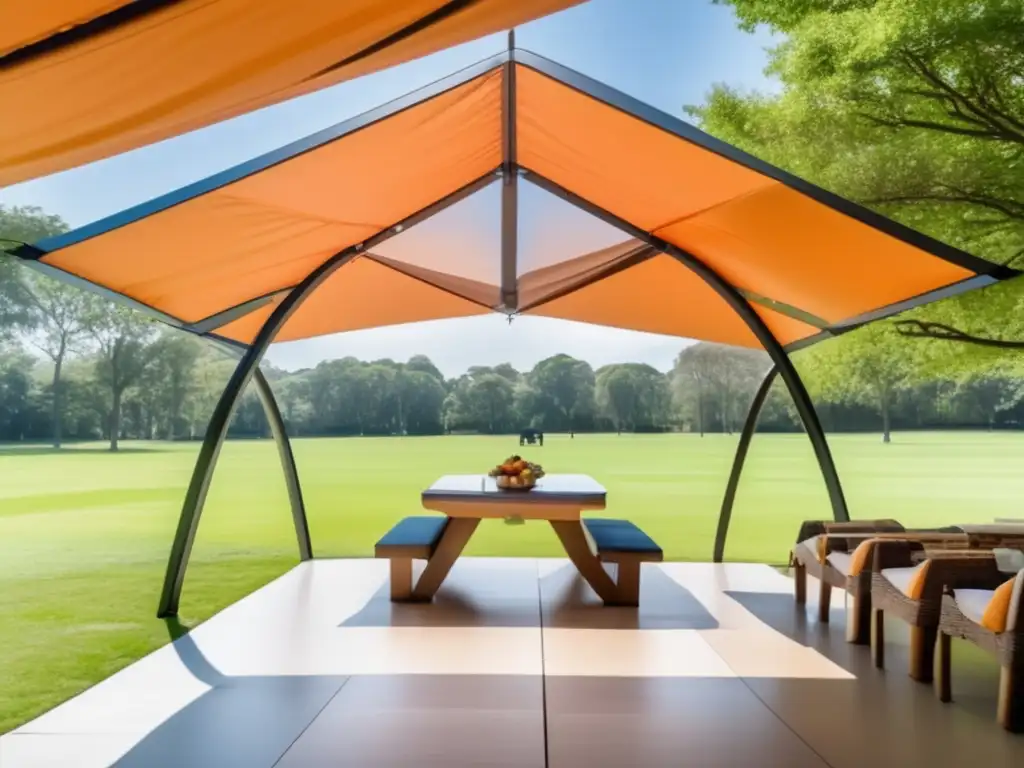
[824, 550]
[896, 566]
[963, 606]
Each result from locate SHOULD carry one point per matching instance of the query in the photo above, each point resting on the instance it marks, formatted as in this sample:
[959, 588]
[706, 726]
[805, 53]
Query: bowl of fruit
[516, 474]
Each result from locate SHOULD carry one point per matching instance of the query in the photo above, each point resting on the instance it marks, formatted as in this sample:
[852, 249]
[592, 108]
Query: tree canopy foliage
[914, 108]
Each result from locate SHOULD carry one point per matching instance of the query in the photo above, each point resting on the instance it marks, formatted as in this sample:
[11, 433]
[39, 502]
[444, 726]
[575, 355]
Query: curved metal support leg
[217, 430]
[795, 385]
[291, 472]
[732, 297]
[741, 457]
[195, 497]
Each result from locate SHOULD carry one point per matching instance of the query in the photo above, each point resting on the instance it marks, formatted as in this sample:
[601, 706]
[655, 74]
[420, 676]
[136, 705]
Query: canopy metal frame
[248, 369]
[202, 476]
[290, 298]
[740, 460]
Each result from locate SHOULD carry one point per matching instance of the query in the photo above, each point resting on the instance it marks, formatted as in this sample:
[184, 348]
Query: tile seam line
[311, 721]
[543, 668]
[764, 703]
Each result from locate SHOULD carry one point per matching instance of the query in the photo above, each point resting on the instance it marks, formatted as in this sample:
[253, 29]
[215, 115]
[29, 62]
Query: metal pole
[741, 457]
[786, 369]
[509, 185]
[291, 472]
[217, 429]
[732, 297]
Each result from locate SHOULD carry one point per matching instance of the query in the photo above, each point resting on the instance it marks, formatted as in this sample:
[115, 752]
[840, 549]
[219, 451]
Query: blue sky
[665, 52]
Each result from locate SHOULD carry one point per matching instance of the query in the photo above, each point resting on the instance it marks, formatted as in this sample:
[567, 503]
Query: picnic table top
[550, 489]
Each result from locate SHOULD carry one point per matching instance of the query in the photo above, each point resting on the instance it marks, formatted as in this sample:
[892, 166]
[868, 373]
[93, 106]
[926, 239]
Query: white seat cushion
[973, 602]
[900, 577]
[841, 561]
[807, 549]
[1009, 560]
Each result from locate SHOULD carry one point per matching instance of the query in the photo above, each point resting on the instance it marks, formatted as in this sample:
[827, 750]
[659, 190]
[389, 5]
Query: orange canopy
[81, 80]
[717, 245]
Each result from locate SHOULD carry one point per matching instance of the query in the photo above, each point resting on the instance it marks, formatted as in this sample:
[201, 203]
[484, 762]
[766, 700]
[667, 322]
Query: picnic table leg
[627, 579]
[453, 541]
[401, 579]
[800, 579]
[574, 541]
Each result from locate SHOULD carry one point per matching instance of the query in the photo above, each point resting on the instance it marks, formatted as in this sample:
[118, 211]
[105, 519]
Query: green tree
[425, 365]
[423, 398]
[172, 380]
[20, 225]
[490, 399]
[124, 351]
[982, 397]
[565, 389]
[633, 395]
[58, 315]
[712, 383]
[481, 400]
[20, 410]
[912, 107]
[868, 366]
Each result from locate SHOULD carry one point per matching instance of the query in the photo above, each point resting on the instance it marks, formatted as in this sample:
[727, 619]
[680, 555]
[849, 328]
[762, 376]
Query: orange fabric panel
[196, 62]
[361, 294]
[26, 22]
[761, 235]
[269, 230]
[785, 245]
[637, 172]
[545, 283]
[476, 291]
[663, 296]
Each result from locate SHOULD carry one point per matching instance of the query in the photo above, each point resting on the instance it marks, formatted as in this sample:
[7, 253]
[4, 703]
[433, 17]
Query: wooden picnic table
[558, 499]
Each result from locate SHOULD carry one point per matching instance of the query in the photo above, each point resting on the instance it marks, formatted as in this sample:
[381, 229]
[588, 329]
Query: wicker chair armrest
[962, 570]
[809, 529]
[841, 542]
[894, 553]
[863, 526]
[857, 531]
[961, 554]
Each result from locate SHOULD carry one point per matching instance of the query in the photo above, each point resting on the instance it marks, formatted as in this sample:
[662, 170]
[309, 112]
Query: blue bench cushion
[415, 532]
[620, 536]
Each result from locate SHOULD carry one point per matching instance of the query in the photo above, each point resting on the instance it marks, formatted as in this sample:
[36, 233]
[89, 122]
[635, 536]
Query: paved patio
[517, 664]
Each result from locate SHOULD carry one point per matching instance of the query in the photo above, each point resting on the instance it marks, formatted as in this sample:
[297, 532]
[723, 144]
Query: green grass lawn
[84, 534]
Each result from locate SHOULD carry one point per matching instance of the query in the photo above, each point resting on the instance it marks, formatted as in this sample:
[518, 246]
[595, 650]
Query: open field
[84, 534]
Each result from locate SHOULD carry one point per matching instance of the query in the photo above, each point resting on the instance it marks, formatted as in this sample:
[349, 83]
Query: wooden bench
[623, 544]
[412, 538]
